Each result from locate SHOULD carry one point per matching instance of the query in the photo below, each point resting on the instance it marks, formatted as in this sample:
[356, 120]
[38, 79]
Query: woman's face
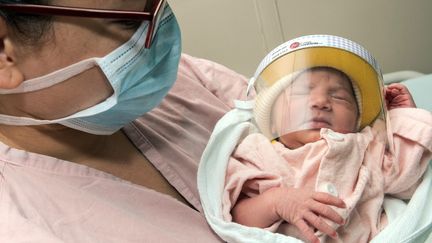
[316, 99]
[72, 39]
[76, 38]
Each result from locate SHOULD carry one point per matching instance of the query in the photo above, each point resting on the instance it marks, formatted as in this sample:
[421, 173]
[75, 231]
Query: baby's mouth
[318, 122]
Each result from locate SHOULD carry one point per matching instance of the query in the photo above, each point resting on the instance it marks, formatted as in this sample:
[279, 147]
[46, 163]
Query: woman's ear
[10, 75]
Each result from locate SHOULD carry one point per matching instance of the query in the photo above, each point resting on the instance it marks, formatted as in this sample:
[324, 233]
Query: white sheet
[421, 89]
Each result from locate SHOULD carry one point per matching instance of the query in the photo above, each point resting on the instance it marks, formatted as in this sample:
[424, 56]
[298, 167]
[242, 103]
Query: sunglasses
[152, 12]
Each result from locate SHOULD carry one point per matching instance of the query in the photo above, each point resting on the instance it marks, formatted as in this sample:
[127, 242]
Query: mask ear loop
[53, 78]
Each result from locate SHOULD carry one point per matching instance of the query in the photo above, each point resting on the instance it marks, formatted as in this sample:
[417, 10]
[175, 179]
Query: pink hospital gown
[353, 166]
[44, 199]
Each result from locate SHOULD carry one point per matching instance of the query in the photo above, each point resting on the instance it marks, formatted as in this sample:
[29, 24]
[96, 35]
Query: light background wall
[238, 33]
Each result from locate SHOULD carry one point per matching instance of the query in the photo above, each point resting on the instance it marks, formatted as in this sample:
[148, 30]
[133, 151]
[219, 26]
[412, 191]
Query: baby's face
[321, 98]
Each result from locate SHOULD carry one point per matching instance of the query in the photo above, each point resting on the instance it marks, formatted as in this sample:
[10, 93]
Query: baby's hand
[306, 210]
[398, 96]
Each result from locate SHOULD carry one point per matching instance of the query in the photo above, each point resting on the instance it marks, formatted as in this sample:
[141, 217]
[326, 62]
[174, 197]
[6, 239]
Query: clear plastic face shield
[316, 82]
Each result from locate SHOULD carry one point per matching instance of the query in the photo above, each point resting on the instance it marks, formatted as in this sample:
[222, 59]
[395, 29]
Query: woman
[74, 167]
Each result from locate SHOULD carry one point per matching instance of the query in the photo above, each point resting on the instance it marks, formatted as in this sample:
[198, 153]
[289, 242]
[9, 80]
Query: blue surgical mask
[140, 79]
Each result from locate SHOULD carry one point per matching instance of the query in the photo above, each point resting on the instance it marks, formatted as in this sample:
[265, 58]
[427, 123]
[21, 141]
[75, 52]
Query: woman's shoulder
[216, 79]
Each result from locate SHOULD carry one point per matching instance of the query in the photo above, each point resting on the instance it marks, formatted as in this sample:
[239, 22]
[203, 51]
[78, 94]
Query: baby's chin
[298, 139]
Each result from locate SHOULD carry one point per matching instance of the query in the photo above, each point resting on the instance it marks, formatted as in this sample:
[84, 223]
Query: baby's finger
[329, 199]
[327, 212]
[392, 91]
[306, 231]
[395, 86]
[395, 92]
[319, 224]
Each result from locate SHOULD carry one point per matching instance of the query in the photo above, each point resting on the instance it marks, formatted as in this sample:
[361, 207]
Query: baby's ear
[10, 75]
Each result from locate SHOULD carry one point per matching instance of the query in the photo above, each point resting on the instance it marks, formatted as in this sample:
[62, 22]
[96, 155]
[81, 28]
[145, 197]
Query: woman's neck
[114, 154]
[53, 140]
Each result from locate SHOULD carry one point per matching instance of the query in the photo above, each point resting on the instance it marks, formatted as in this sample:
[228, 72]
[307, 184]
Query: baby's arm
[299, 207]
[411, 152]
[398, 96]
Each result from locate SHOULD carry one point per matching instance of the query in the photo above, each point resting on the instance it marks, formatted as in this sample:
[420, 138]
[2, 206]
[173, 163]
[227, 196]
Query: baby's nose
[319, 100]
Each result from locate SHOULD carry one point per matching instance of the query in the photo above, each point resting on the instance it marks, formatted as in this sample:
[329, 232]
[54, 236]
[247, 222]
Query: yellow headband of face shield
[365, 77]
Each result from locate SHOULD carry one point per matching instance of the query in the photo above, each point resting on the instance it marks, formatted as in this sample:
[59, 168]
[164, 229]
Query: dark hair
[27, 28]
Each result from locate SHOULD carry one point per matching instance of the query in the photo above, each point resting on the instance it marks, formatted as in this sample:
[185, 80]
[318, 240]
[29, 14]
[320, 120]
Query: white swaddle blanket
[410, 222]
